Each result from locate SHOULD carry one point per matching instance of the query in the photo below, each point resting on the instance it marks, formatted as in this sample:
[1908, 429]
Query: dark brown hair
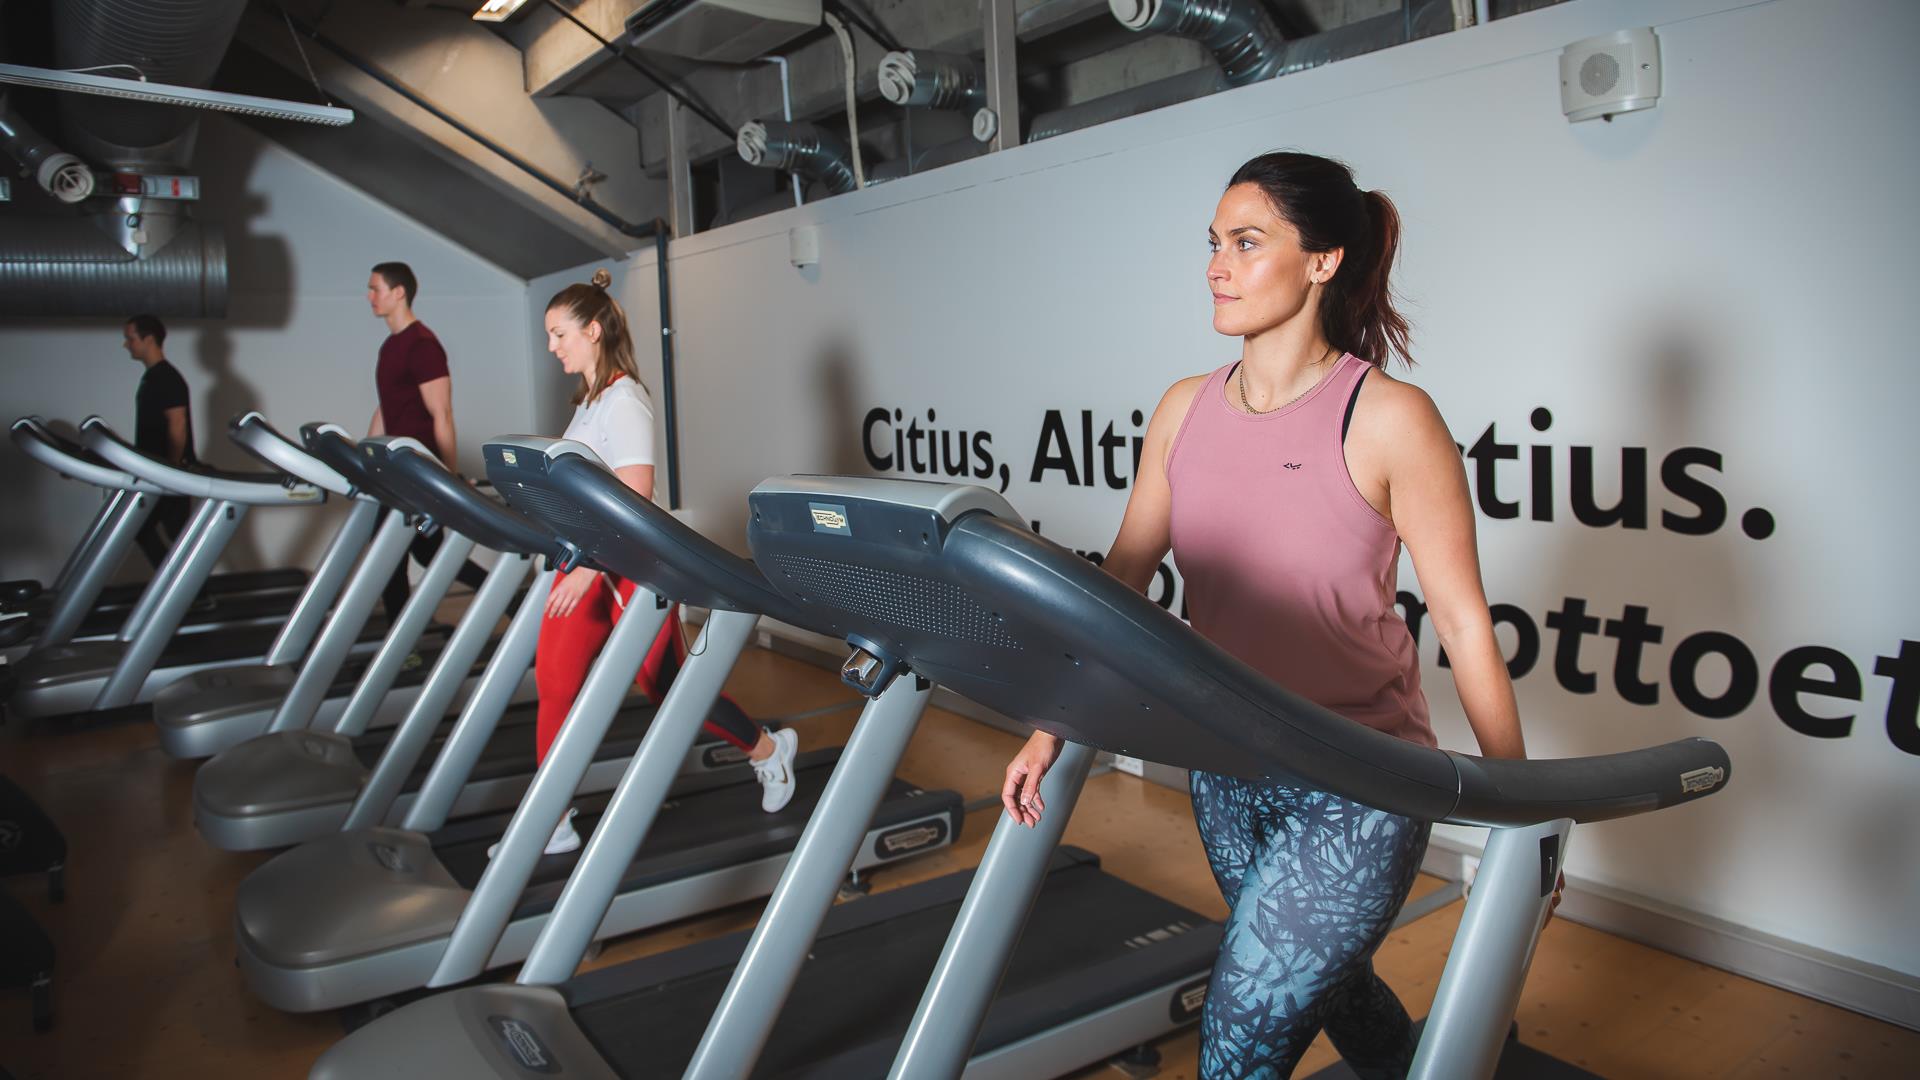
[1318, 197]
[149, 326]
[399, 275]
[590, 303]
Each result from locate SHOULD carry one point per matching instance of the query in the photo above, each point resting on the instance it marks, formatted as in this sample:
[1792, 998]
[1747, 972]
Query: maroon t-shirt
[407, 359]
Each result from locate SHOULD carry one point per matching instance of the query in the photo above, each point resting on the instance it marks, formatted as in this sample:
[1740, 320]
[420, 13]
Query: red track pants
[569, 645]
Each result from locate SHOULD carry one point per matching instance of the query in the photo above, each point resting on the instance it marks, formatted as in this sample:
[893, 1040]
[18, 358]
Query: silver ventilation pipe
[64, 266]
[59, 173]
[931, 80]
[178, 42]
[131, 253]
[1239, 33]
[800, 148]
[1140, 99]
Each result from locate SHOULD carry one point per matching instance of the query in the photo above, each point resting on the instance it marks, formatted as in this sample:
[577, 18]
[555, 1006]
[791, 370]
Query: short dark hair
[399, 275]
[149, 326]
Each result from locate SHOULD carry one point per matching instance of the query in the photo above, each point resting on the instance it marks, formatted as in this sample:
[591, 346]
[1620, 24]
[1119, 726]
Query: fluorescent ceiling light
[497, 10]
[162, 94]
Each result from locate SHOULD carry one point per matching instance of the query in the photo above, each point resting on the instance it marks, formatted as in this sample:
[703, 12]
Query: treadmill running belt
[693, 833]
[1092, 940]
[509, 752]
[253, 606]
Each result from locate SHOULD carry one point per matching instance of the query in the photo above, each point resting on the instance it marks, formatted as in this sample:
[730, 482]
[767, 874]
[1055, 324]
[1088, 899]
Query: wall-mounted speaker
[1609, 74]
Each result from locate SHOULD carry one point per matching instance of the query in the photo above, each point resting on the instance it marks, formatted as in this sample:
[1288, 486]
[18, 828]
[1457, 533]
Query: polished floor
[146, 985]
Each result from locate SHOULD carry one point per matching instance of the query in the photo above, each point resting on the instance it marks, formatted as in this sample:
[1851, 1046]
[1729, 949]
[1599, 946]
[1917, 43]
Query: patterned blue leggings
[1314, 882]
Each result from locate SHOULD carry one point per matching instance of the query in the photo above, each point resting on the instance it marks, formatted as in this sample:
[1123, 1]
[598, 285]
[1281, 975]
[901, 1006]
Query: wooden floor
[146, 985]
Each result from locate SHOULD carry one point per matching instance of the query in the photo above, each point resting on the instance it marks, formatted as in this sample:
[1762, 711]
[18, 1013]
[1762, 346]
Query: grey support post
[349, 617]
[491, 907]
[403, 635]
[310, 611]
[167, 572]
[765, 974]
[72, 606]
[636, 801]
[218, 520]
[974, 960]
[476, 725]
[449, 672]
[1480, 988]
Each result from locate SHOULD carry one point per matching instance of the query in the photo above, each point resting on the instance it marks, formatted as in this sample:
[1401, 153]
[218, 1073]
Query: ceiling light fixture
[497, 10]
[163, 94]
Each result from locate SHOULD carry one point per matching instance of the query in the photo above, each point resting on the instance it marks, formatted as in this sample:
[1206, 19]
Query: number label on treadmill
[520, 1042]
[828, 518]
[907, 839]
[1187, 1001]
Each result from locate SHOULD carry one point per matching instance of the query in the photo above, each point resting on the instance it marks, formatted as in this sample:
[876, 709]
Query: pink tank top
[1287, 567]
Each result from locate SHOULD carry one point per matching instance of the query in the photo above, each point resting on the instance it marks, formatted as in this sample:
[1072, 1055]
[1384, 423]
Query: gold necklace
[1262, 412]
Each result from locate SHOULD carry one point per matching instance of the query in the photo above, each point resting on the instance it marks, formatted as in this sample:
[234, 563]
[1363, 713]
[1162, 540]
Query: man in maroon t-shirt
[415, 399]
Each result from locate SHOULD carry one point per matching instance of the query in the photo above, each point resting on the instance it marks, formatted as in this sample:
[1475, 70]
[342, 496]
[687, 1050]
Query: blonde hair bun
[602, 279]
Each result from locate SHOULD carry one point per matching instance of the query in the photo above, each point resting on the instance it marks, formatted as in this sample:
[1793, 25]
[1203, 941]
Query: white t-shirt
[618, 425]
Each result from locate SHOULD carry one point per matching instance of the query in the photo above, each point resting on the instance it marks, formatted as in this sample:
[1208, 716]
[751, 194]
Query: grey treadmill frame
[316, 753]
[93, 562]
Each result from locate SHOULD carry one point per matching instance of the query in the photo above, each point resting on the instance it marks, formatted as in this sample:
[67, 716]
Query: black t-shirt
[161, 388]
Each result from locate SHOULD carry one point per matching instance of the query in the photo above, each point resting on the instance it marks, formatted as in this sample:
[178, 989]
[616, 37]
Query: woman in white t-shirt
[587, 332]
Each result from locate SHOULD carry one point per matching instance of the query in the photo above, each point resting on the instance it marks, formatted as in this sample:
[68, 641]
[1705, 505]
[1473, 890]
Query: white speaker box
[1609, 74]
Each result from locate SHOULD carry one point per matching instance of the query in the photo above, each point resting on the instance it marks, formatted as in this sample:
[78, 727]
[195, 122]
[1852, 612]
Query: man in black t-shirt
[162, 427]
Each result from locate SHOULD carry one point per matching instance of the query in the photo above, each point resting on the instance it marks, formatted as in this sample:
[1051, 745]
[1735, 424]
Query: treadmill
[78, 603]
[145, 655]
[305, 778]
[1026, 627]
[338, 687]
[377, 911]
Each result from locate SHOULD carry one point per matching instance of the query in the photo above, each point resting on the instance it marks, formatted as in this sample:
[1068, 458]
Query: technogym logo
[522, 1044]
[828, 518]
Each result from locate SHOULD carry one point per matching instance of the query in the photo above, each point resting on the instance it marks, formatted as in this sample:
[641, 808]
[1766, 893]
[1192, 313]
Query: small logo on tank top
[1292, 465]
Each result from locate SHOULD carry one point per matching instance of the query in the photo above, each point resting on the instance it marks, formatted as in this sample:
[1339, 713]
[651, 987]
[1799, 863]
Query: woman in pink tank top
[1284, 484]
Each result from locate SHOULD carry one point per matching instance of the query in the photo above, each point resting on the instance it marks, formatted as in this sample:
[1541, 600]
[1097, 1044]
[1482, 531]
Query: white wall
[298, 344]
[1728, 271]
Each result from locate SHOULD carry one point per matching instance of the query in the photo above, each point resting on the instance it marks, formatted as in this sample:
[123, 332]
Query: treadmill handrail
[44, 446]
[275, 489]
[339, 450]
[1107, 652]
[458, 505]
[648, 545]
[252, 433]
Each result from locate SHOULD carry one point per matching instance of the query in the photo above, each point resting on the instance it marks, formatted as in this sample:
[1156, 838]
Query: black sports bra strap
[1347, 420]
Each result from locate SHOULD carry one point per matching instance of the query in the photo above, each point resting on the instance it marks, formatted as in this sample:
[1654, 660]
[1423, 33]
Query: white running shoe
[775, 771]
[564, 839]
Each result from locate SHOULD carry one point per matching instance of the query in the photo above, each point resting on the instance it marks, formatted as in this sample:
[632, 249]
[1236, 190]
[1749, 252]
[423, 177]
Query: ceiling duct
[178, 42]
[930, 80]
[1239, 33]
[721, 31]
[131, 252]
[64, 266]
[800, 148]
